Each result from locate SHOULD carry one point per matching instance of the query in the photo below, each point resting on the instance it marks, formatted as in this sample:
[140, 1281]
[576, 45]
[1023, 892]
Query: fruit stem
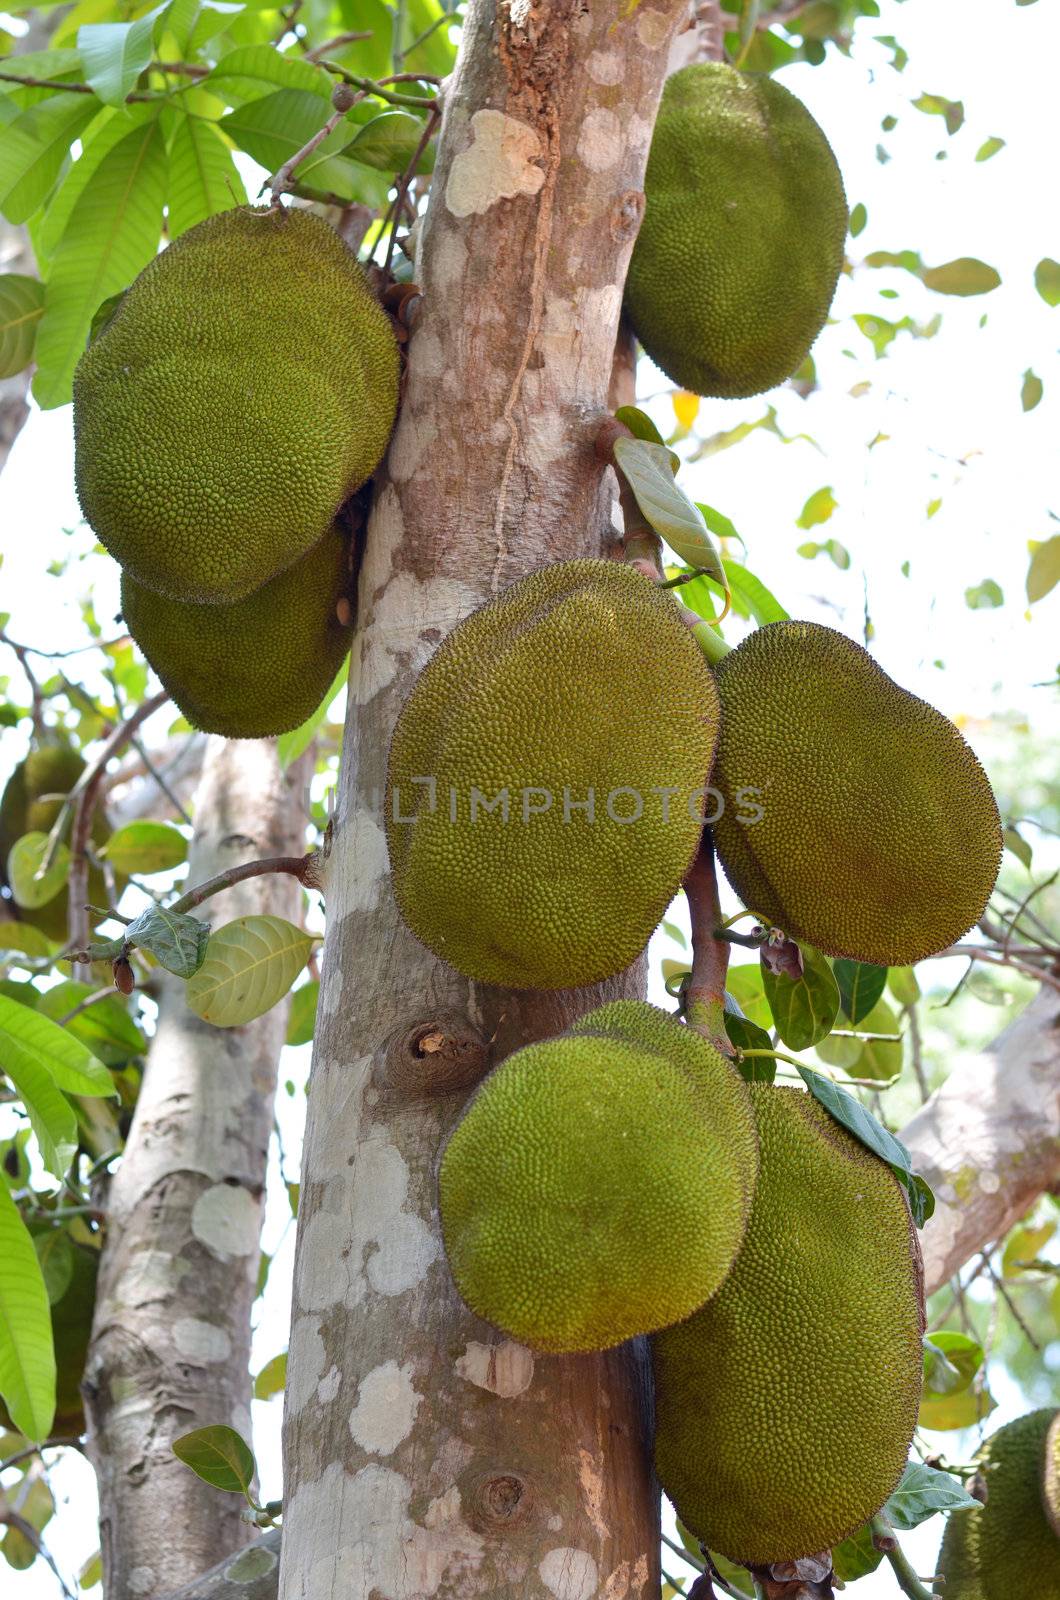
[707, 637]
[906, 1578]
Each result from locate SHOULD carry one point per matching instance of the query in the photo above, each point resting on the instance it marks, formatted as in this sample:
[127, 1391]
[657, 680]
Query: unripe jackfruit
[879, 838]
[578, 707]
[1051, 1478]
[260, 666]
[598, 1184]
[245, 386]
[785, 1407]
[50, 770]
[740, 249]
[1006, 1547]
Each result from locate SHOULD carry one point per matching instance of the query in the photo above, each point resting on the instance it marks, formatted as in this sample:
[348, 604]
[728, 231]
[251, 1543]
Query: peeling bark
[425, 1454]
[988, 1140]
[171, 1334]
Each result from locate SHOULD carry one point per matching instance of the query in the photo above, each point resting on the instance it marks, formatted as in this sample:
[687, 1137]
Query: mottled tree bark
[171, 1335]
[426, 1454]
[988, 1140]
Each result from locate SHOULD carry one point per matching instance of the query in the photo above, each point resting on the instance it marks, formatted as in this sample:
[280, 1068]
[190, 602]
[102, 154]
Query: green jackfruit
[598, 1184]
[245, 386]
[31, 802]
[785, 1407]
[740, 249]
[1006, 1547]
[1051, 1475]
[578, 688]
[260, 666]
[879, 837]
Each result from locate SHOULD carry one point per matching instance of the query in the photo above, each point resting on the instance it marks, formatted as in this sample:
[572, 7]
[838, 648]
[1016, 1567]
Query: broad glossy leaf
[851, 1114]
[922, 1492]
[202, 176]
[259, 68]
[389, 143]
[105, 1028]
[747, 1035]
[880, 1058]
[639, 424]
[276, 127]
[301, 1023]
[21, 308]
[177, 942]
[29, 1037]
[250, 964]
[1031, 390]
[860, 986]
[648, 469]
[858, 218]
[218, 1455]
[146, 847]
[109, 129]
[27, 1355]
[964, 276]
[32, 888]
[1025, 1245]
[55, 1254]
[1047, 280]
[951, 1361]
[744, 984]
[114, 54]
[903, 984]
[34, 148]
[856, 1556]
[272, 1377]
[751, 593]
[112, 234]
[1043, 574]
[804, 1009]
[36, 1506]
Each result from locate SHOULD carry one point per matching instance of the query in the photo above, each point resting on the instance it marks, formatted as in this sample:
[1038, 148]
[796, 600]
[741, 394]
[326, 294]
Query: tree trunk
[988, 1140]
[425, 1454]
[171, 1336]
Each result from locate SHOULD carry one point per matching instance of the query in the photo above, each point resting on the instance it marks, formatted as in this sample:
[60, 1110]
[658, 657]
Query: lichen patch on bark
[387, 1402]
[569, 1573]
[227, 1220]
[505, 1369]
[498, 164]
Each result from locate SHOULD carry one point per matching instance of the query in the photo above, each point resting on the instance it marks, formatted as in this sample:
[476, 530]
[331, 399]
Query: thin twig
[60, 655]
[334, 44]
[35, 1542]
[976, 952]
[433, 118]
[35, 1449]
[370, 86]
[83, 1005]
[916, 1049]
[305, 868]
[68, 88]
[153, 772]
[181, 69]
[1016, 1315]
[37, 712]
[686, 1555]
[280, 181]
[883, 1538]
[425, 35]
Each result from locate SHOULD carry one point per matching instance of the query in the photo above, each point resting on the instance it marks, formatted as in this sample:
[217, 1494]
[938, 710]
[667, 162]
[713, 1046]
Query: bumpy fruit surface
[579, 685]
[260, 666]
[598, 1184]
[1006, 1548]
[785, 1407]
[879, 838]
[245, 386]
[740, 249]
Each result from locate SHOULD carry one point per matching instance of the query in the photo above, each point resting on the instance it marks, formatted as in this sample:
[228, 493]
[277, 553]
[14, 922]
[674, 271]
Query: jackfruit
[740, 248]
[598, 1184]
[879, 838]
[785, 1407]
[245, 386]
[31, 802]
[578, 707]
[1051, 1475]
[1006, 1547]
[260, 666]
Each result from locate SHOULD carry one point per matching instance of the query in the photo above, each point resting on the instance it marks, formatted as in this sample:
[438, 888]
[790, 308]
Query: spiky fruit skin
[598, 1184]
[880, 838]
[50, 770]
[579, 678]
[1006, 1547]
[1051, 1475]
[785, 1407]
[245, 386]
[258, 667]
[740, 249]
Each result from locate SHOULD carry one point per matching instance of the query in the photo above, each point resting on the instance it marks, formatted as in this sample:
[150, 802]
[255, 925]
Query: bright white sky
[949, 406]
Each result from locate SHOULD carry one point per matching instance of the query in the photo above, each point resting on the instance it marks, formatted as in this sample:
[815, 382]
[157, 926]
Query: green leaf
[105, 1028]
[34, 147]
[289, 746]
[1031, 390]
[858, 218]
[856, 1556]
[965, 276]
[108, 130]
[255, 67]
[55, 1254]
[36, 1506]
[951, 1361]
[30, 1037]
[804, 1009]
[985, 596]
[818, 508]
[146, 847]
[114, 54]
[988, 148]
[952, 111]
[922, 1492]
[944, 1412]
[751, 593]
[202, 176]
[389, 142]
[903, 984]
[21, 308]
[851, 1114]
[112, 234]
[747, 1035]
[1025, 1245]
[648, 469]
[918, 1192]
[301, 1023]
[27, 1355]
[30, 887]
[272, 1378]
[250, 964]
[1043, 574]
[1047, 280]
[1012, 840]
[744, 985]
[218, 1455]
[860, 986]
[639, 424]
[176, 941]
[21, 938]
[880, 1058]
[91, 1572]
[276, 127]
